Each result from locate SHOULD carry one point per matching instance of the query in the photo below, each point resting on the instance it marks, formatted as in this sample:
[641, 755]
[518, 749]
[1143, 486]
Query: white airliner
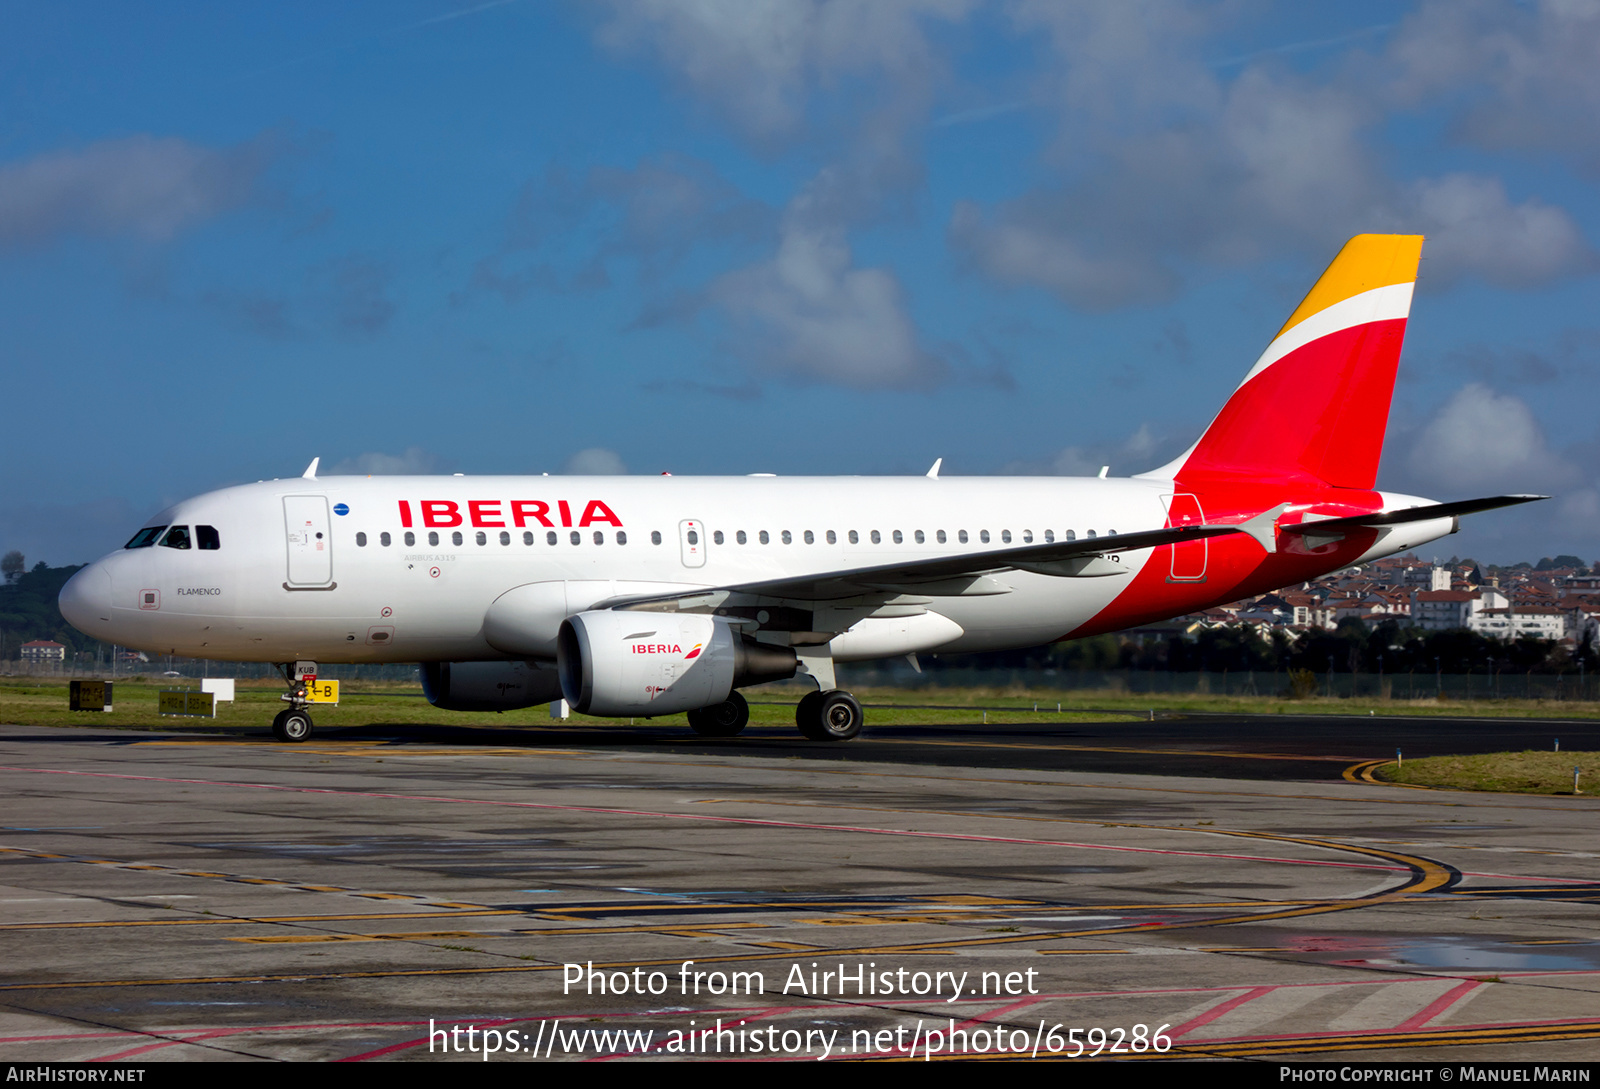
[640, 596]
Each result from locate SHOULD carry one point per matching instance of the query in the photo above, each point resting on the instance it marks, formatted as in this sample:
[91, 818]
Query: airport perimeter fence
[1417, 685]
[193, 669]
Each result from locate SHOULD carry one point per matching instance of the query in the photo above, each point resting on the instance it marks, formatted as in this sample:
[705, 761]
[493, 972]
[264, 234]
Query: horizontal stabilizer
[1410, 514]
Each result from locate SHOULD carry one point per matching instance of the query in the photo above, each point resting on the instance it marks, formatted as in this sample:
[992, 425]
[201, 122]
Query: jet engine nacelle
[642, 663]
[488, 686]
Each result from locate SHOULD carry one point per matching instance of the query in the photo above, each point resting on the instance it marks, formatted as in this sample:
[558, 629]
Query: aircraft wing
[969, 574]
[963, 575]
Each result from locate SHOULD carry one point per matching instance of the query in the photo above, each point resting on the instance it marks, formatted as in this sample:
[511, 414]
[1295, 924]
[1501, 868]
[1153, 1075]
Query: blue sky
[792, 236]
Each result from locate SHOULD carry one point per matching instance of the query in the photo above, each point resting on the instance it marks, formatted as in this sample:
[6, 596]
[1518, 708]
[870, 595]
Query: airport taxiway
[204, 895]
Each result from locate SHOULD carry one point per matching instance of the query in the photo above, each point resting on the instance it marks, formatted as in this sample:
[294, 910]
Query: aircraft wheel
[805, 715]
[292, 726]
[725, 719]
[835, 716]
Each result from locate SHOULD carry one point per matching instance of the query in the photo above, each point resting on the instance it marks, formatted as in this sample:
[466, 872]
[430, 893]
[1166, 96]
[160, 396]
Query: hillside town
[1557, 600]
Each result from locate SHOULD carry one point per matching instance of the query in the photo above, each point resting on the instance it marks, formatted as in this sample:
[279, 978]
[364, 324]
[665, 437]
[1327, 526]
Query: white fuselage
[410, 569]
[377, 602]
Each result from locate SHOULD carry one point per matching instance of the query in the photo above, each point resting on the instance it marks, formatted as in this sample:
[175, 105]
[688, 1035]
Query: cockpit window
[177, 537]
[207, 539]
[145, 537]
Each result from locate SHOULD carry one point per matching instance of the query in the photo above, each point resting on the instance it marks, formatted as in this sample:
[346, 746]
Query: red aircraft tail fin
[1316, 403]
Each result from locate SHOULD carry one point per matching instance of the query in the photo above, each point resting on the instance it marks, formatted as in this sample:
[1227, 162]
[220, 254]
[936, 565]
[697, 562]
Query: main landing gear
[294, 724]
[725, 719]
[833, 715]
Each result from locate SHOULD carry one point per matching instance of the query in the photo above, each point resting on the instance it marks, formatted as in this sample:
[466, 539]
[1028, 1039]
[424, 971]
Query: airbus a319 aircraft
[646, 596]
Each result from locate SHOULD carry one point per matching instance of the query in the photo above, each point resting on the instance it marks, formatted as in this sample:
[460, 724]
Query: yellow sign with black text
[322, 692]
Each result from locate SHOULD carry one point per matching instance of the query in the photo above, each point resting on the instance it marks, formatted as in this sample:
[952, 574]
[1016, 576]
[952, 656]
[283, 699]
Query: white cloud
[1162, 163]
[1513, 75]
[1138, 453]
[147, 187]
[810, 313]
[414, 462]
[757, 61]
[1481, 442]
[595, 461]
[1473, 229]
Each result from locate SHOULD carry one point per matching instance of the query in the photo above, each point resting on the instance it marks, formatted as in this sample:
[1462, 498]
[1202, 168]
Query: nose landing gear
[294, 724]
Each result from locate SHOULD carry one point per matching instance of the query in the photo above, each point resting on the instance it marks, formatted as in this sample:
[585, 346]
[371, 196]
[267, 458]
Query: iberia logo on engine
[666, 648]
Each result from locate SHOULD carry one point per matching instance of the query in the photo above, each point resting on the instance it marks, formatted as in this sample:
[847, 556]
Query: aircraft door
[309, 540]
[692, 542]
[1188, 558]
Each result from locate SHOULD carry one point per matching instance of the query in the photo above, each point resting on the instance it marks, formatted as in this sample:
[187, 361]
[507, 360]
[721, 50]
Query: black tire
[292, 726]
[829, 716]
[725, 719]
[806, 718]
[840, 716]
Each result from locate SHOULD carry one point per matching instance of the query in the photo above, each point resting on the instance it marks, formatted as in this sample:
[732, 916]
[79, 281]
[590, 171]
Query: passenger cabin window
[577, 538]
[433, 539]
[655, 537]
[763, 538]
[939, 536]
[983, 536]
[145, 537]
[177, 537]
[622, 537]
[877, 538]
[740, 537]
[833, 538]
[600, 538]
[550, 538]
[207, 539]
[505, 538]
[527, 537]
[1027, 536]
[411, 539]
[455, 538]
[961, 535]
[1049, 536]
[383, 538]
[855, 538]
[482, 538]
[787, 539]
[361, 540]
[811, 538]
[716, 537]
[919, 537]
[1005, 536]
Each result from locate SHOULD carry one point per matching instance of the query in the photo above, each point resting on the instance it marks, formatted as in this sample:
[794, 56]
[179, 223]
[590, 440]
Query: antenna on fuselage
[933, 474]
[311, 470]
